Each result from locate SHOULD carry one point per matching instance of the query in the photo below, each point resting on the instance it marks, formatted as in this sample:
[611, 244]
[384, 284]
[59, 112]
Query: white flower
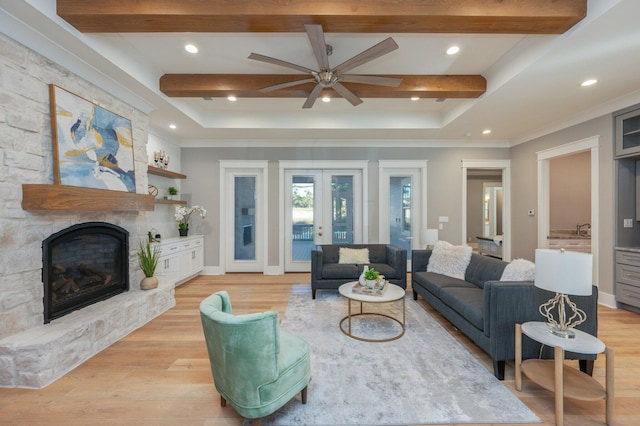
[183, 214]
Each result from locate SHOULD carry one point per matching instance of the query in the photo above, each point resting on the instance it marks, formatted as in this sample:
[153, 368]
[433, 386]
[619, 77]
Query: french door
[402, 204]
[321, 207]
[243, 218]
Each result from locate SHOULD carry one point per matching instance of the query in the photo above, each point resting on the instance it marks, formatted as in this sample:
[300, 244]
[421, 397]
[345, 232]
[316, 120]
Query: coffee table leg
[558, 356]
[349, 317]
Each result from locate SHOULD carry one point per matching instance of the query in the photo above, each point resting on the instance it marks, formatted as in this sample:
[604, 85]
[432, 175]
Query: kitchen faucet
[579, 227]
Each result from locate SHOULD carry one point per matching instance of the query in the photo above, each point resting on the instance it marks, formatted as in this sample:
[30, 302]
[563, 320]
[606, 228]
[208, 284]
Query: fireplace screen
[82, 265]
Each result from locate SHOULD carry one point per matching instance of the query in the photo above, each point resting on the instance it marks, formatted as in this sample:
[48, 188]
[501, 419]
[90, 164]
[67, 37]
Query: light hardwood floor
[159, 374]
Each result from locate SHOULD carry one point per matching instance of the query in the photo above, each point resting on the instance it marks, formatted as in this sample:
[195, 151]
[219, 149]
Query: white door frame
[244, 167]
[505, 166]
[589, 144]
[401, 168]
[360, 165]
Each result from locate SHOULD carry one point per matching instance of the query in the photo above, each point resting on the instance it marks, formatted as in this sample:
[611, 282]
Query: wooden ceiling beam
[335, 16]
[247, 85]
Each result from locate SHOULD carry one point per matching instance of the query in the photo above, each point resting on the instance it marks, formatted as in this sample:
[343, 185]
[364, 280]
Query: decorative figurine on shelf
[183, 214]
[160, 159]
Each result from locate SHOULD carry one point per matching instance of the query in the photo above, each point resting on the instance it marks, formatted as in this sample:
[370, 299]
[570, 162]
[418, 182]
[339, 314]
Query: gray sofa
[327, 273]
[486, 309]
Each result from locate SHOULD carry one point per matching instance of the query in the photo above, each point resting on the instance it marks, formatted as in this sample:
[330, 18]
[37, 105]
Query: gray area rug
[425, 377]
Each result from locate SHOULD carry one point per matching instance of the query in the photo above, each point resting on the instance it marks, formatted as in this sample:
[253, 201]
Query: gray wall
[525, 187]
[444, 183]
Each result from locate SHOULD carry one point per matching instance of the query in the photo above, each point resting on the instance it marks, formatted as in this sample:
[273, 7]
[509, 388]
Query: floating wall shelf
[64, 197]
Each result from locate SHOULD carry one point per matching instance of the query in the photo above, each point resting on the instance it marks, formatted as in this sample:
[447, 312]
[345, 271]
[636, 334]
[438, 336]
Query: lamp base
[565, 334]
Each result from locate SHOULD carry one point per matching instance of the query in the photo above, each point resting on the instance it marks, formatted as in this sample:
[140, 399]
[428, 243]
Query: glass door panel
[342, 209]
[302, 217]
[400, 217]
[244, 218]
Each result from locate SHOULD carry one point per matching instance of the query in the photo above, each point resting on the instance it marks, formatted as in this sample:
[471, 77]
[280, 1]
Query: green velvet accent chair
[256, 367]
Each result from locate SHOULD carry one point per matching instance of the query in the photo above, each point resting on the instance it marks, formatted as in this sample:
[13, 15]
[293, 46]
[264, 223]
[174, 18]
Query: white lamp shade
[429, 236]
[566, 272]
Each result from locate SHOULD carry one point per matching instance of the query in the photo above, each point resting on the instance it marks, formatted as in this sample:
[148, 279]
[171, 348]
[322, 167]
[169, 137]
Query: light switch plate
[628, 223]
[443, 219]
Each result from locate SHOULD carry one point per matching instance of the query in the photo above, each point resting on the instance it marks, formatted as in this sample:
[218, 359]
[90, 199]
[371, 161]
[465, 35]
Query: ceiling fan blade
[316, 37]
[270, 60]
[347, 94]
[285, 85]
[371, 79]
[313, 96]
[382, 48]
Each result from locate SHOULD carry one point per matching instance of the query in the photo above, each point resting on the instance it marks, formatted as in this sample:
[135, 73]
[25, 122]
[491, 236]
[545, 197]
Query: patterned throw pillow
[450, 260]
[349, 255]
[519, 270]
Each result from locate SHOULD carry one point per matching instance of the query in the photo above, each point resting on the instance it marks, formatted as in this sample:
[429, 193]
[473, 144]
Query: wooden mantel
[64, 197]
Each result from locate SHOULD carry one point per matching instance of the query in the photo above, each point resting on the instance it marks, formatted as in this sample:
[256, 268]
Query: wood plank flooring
[159, 374]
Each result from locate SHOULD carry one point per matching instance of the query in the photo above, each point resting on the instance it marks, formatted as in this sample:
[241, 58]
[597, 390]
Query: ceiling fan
[327, 77]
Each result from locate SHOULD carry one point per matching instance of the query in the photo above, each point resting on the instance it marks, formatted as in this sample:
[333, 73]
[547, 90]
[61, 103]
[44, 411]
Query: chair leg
[223, 402]
[304, 395]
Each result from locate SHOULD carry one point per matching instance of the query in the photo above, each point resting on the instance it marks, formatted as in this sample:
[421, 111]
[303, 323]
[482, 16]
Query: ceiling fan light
[191, 48]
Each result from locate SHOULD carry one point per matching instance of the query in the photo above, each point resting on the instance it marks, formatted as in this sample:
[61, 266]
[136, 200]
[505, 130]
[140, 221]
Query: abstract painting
[92, 147]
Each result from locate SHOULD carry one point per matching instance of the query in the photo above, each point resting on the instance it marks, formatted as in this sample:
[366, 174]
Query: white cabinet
[180, 258]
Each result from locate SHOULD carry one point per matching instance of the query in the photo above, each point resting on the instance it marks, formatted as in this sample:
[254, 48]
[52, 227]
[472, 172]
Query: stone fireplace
[82, 265]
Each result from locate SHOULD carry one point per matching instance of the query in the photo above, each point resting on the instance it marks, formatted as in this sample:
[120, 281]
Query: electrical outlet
[440, 226]
[628, 223]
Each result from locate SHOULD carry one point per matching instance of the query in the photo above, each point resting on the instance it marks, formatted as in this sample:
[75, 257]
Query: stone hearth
[36, 357]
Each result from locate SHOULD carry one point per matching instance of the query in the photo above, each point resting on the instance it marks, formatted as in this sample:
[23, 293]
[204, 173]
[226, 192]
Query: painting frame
[92, 146]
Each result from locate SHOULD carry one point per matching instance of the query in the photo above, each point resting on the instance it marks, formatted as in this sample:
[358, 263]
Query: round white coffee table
[393, 293]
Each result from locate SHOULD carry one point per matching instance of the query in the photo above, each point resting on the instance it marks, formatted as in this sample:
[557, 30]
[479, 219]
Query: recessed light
[190, 48]
[172, 126]
[232, 98]
[486, 131]
[326, 99]
[414, 98]
[589, 82]
[453, 50]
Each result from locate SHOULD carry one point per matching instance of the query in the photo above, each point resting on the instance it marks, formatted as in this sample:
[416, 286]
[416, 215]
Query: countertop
[567, 235]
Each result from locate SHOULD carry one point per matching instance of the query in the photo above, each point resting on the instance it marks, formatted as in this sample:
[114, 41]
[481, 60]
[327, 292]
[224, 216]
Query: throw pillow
[519, 270]
[349, 255]
[450, 260]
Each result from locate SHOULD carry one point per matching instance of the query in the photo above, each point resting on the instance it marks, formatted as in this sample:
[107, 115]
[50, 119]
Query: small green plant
[172, 190]
[148, 258]
[371, 274]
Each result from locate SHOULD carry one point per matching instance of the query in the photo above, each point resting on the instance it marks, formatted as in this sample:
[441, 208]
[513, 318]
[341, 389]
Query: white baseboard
[607, 299]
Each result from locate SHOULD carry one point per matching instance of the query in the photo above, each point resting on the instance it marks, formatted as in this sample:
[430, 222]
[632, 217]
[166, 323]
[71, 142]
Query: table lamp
[565, 273]
[430, 237]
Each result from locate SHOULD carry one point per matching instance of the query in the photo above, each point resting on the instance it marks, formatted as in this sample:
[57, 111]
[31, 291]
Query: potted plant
[371, 277]
[183, 214]
[148, 256]
[172, 190]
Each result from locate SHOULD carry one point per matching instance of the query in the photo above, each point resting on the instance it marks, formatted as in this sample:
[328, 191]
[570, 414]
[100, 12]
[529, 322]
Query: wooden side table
[561, 379]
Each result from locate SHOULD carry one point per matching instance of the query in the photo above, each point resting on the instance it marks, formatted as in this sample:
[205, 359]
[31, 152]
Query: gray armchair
[256, 367]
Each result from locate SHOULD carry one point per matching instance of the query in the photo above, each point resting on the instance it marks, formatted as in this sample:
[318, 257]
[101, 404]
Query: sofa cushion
[339, 271]
[435, 282]
[449, 260]
[330, 253]
[350, 255]
[468, 302]
[484, 268]
[377, 253]
[519, 270]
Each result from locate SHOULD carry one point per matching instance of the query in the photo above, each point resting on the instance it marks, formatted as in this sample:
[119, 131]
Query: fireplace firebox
[82, 265]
